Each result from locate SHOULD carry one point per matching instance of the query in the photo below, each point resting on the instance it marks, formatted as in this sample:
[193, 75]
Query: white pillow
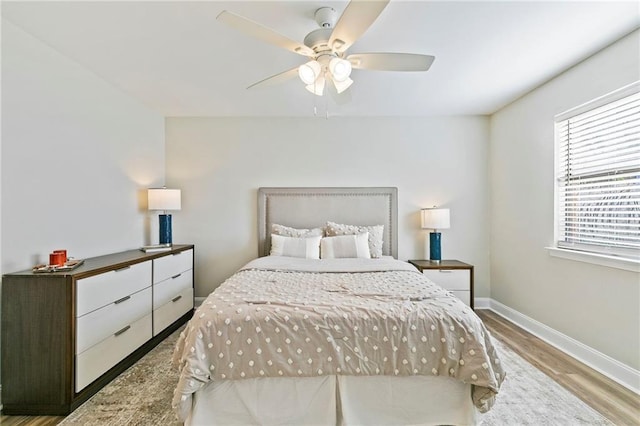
[345, 246]
[376, 233]
[308, 248]
[288, 231]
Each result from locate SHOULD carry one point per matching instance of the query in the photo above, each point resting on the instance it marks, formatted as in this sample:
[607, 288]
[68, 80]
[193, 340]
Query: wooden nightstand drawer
[452, 275]
[451, 279]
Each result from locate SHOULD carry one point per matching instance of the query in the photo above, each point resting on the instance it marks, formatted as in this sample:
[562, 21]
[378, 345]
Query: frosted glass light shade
[309, 72]
[435, 218]
[341, 86]
[317, 88]
[164, 199]
[340, 69]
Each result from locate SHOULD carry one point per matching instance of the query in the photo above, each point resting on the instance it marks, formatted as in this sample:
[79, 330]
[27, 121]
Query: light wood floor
[613, 401]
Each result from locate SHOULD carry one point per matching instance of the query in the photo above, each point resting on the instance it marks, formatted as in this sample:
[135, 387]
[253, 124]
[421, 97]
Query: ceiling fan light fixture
[341, 86]
[340, 69]
[309, 72]
[317, 87]
[325, 47]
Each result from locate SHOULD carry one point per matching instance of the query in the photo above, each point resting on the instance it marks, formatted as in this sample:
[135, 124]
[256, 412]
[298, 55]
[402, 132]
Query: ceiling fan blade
[276, 79]
[355, 20]
[391, 61]
[263, 33]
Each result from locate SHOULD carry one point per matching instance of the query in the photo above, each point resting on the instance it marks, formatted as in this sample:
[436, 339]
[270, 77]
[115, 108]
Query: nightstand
[453, 275]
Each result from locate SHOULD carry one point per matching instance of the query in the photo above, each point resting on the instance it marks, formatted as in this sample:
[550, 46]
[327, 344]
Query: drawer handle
[122, 269]
[446, 271]
[124, 299]
[176, 276]
[119, 332]
[175, 254]
[175, 299]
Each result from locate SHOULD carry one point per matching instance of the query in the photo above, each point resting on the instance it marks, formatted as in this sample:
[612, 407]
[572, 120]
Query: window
[598, 175]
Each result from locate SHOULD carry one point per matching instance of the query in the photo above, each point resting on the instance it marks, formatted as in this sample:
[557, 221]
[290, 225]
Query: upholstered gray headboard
[313, 207]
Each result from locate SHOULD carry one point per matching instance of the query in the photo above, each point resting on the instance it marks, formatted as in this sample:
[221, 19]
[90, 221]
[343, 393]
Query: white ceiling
[177, 59]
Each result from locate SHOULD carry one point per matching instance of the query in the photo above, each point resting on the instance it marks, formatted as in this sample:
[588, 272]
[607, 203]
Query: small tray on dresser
[68, 266]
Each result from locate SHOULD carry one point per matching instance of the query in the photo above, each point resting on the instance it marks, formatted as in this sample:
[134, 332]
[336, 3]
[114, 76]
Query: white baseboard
[615, 370]
[481, 303]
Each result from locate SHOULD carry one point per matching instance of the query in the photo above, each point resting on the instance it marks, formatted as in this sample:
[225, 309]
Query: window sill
[596, 259]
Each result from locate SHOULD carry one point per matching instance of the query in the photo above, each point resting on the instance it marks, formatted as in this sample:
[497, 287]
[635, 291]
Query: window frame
[591, 255]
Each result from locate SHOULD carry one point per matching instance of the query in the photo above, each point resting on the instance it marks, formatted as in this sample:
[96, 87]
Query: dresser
[67, 334]
[453, 275]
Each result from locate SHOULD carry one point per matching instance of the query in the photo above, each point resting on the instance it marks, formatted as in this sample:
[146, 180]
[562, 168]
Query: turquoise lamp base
[435, 254]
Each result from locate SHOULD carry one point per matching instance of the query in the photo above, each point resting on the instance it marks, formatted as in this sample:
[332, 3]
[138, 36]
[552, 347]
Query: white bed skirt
[331, 400]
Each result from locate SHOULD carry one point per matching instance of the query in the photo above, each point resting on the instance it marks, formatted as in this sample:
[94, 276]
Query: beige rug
[142, 396]
[528, 397]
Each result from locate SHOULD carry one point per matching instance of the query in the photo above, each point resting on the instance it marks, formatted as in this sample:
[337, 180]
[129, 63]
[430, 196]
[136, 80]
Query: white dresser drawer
[451, 279]
[166, 290]
[98, 359]
[172, 310]
[170, 265]
[100, 290]
[98, 325]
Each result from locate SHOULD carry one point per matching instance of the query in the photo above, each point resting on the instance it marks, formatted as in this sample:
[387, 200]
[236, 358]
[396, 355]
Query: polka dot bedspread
[286, 317]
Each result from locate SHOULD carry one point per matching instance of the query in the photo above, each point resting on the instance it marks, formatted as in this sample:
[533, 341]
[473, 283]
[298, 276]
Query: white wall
[76, 156]
[219, 163]
[596, 305]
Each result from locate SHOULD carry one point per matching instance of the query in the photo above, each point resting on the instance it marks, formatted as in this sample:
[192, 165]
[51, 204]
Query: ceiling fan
[326, 47]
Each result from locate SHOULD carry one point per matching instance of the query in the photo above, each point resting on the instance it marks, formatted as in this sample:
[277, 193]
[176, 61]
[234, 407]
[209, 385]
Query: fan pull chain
[315, 100]
[315, 106]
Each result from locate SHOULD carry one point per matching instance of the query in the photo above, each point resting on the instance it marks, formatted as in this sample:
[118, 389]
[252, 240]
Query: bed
[358, 338]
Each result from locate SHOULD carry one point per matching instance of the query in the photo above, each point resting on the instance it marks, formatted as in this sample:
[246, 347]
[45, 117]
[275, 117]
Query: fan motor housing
[318, 39]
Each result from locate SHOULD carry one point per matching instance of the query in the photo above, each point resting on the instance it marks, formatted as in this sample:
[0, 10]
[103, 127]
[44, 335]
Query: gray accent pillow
[287, 231]
[375, 234]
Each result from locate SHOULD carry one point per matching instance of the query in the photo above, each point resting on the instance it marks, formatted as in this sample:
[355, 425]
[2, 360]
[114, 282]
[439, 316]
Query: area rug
[528, 397]
[142, 396]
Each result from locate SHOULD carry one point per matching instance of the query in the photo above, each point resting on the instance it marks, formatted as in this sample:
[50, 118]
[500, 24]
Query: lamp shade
[340, 69]
[317, 87]
[435, 218]
[309, 72]
[341, 86]
[163, 199]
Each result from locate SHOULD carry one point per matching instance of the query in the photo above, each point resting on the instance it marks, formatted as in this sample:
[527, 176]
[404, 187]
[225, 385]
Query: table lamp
[164, 199]
[435, 219]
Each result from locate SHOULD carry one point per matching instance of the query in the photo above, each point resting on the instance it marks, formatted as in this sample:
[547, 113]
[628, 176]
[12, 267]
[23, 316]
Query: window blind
[598, 176]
